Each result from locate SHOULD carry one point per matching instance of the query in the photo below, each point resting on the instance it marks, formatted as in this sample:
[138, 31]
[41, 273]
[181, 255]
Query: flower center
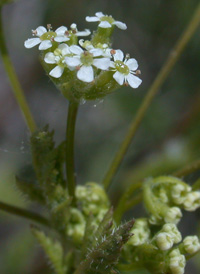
[109, 19]
[87, 58]
[121, 67]
[49, 35]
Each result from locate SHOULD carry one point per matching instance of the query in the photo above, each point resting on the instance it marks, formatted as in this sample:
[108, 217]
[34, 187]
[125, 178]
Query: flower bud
[173, 215]
[164, 241]
[191, 244]
[141, 232]
[179, 192]
[177, 262]
[192, 201]
[92, 198]
[173, 231]
[76, 225]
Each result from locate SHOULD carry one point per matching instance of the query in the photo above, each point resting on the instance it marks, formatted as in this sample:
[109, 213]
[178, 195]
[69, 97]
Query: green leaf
[53, 249]
[47, 160]
[104, 256]
[30, 189]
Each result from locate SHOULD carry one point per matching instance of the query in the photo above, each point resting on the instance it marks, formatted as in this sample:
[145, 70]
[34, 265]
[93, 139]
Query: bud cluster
[165, 196]
[92, 201]
[160, 251]
[85, 69]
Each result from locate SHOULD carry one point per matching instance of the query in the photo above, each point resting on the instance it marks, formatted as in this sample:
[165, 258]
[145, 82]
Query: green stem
[130, 267]
[191, 168]
[121, 207]
[196, 185]
[162, 75]
[24, 213]
[70, 170]
[18, 92]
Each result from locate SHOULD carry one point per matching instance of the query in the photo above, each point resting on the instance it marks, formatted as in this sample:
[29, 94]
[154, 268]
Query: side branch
[17, 90]
[24, 214]
[160, 79]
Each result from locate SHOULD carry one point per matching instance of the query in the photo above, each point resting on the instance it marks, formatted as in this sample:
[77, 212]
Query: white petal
[41, 30]
[31, 42]
[61, 38]
[61, 30]
[64, 48]
[72, 61]
[50, 58]
[133, 80]
[96, 52]
[118, 55]
[99, 14]
[86, 32]
[119, 77]
[46, 44]
[91, 19]
[120, 25]
[86, 74]
[56, 72]
[102, 63]
[132, 64]
[76, 49]
[112, 64]
[105, 25]
[73, 26]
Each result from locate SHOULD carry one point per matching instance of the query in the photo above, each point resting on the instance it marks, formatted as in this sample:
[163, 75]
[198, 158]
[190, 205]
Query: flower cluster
[164, 247]
[164, 198]
[92, 201]
[157, 238]
[92, 62]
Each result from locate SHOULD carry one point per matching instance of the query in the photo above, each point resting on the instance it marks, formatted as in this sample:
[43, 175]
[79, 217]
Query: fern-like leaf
[104, 256]
[53, 249]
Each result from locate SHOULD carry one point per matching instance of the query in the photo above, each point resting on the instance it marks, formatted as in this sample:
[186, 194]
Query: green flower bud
[177, 262]
[173, 215]
[173, 231]
[76, 225]
[93, 199]
[192, 201]
[141, 232]
[164, 240]
[191, 244]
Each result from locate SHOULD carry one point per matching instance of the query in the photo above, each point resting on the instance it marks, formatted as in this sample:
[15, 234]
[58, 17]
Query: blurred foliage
[168, 137]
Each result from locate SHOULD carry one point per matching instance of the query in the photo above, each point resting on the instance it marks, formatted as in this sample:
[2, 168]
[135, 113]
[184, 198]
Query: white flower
[125, 70]
[57, 57]
[173, 215]
[191, 244]
[192, 201]
[84, 61]
[106, 51]
[105, 21]
[67, 33]
[177, 262]
[164, 240]
[173, 231]
[45, 38]
[75, 31]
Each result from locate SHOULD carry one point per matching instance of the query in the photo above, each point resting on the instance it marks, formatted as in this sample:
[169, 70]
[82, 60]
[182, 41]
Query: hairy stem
[24, 213]
[161, 77]
[191, 168]
[70, 169]
[17, 90]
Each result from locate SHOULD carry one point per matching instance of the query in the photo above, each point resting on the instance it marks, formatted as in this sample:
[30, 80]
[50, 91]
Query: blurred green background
[168, 138]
